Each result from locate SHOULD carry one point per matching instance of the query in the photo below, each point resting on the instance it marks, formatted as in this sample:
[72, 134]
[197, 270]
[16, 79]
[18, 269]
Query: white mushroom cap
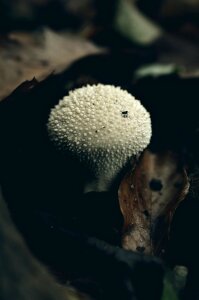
[103, 126]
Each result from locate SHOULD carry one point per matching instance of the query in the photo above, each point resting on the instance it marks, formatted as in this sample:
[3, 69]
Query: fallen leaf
[27, 55]
[148, 197]
[155, 70]
[132, 24]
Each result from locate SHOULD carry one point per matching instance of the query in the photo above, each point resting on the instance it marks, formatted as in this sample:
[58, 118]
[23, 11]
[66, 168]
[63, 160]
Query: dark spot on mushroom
[146, 213]
[155, 185]
[140, 249]
[96, 131]
[125, 114]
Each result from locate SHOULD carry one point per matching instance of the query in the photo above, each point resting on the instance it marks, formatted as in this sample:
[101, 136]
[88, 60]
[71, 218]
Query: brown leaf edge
[148, 197]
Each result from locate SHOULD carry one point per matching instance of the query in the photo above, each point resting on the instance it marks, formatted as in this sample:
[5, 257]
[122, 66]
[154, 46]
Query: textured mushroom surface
[102, 125]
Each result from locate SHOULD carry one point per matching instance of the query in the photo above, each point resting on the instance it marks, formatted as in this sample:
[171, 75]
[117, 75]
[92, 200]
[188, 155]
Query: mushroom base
[106, 181]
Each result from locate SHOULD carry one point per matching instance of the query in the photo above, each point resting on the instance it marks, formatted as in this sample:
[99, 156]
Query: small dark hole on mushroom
[125, 114]
[155, 185]
[140, 249]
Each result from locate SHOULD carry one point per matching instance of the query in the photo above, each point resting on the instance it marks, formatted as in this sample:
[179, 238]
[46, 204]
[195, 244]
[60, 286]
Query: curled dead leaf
[148, 197]
[38, 54]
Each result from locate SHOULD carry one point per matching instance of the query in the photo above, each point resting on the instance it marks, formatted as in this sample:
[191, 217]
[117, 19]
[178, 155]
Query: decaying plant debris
[66, 244]
[104, 244]
[24, 56]
[149, 196]
[50, 229]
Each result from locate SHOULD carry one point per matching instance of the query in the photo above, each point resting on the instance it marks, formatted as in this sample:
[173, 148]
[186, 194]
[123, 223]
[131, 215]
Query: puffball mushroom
[103, 126]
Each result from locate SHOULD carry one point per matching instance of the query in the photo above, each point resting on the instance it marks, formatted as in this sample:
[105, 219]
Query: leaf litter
[148, 198]
[38, 54]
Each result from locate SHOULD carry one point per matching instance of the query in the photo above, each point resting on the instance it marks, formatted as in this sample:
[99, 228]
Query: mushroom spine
[103, 126]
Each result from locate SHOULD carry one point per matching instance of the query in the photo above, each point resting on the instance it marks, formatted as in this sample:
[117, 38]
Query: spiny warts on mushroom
[103, 126]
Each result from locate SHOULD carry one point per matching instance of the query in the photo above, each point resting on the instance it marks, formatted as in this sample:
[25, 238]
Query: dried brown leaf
[148, 197]
[27, 55]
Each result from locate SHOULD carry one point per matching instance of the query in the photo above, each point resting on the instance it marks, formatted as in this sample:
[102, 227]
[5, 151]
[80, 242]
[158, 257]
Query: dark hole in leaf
[146, 213]
[140, 249]
[155, 185]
